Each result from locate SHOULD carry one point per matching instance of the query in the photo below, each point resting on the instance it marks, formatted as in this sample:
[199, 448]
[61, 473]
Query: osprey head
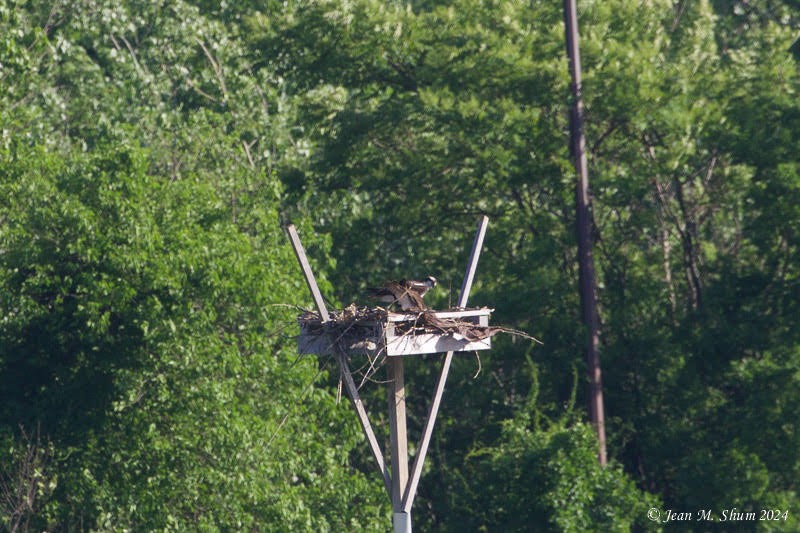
[430, 281]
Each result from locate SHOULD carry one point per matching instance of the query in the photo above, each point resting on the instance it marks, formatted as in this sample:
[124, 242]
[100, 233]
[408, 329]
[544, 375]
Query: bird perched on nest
[406, 294]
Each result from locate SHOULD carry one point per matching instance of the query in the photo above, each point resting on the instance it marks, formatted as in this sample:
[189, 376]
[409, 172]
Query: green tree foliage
[150, 152]
[550, 480]
[138, 332]
[441, 110]
[141, 263]
[543, 474]
[438, 113]
[677, 193]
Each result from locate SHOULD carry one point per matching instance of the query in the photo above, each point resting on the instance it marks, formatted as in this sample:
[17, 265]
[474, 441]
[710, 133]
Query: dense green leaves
[449, 109]
[138, 332]
[142, 269]
[551, 478]
[150, 152]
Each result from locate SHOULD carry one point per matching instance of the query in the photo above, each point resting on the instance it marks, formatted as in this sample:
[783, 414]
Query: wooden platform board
[379, 337]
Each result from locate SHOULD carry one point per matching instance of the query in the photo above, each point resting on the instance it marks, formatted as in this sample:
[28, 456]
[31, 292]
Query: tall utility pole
[586, 279]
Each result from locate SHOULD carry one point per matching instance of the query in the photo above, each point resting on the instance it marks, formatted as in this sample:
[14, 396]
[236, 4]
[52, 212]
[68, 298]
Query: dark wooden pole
[583, 208]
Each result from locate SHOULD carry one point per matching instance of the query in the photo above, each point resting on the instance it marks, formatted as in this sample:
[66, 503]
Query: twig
[478, 357]
[246, 147]
[372, 369]
[292, 306]
[518, 333]
[136, 63]
[217, 69]
[200, 91]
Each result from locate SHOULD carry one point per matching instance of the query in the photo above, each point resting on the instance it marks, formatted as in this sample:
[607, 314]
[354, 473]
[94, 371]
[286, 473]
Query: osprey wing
[399, 293]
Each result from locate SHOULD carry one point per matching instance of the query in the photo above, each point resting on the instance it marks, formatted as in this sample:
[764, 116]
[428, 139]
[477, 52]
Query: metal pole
[349, 384]
[586, 276]
[300, 253]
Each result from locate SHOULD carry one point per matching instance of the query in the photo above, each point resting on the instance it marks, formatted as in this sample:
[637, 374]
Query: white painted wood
[309, 275]
[433, 343]
[405, 317]
[381, 337]
[430, 421]
[363, 418]
[322, 345]
[401, 487]
[398, 437]
[477, 244]
[423, 343]
[347, 376]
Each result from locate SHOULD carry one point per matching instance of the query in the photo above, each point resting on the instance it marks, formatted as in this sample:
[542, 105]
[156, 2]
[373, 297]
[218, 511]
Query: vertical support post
[398, 439]
[401, 522]
[433, 411]
[586, 277]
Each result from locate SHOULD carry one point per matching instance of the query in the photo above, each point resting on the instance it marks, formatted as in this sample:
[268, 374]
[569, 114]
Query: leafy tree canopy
[149, 154]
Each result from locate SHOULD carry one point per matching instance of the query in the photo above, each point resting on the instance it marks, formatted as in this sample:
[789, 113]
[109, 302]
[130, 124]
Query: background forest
[150, 153]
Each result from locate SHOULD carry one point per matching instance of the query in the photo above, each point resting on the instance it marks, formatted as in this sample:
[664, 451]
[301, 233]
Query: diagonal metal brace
[361, 411]
[341, 358]
[469, 276]
[309, 275]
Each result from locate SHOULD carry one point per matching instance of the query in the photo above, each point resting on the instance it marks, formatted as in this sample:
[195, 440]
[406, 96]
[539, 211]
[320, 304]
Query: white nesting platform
[400, 334]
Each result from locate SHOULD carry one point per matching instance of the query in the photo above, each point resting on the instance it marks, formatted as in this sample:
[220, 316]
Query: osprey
[406, 294]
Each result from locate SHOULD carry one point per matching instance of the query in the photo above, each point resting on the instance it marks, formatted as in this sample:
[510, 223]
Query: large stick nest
[354, 330]
[362, 322]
